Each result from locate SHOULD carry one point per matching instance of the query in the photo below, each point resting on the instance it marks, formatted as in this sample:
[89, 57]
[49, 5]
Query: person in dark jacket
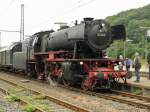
[137, 66]
[128, 63]
[148, 60]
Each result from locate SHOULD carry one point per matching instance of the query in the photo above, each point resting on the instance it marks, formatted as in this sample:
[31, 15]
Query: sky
[40, 15]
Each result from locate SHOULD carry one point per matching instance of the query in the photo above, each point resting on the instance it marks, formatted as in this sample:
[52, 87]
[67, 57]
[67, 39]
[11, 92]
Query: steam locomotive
[71, 55]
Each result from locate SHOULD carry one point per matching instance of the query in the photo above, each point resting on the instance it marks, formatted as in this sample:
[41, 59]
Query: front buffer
[103, 78]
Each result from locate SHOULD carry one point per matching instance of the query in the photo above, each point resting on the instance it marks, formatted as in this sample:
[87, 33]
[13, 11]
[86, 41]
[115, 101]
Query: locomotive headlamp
[102, 28]
[81, 62]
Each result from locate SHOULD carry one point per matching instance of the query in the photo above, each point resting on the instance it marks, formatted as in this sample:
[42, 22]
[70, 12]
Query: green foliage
[137, 91]
[133, 20]
[12, 97]
[29, 108]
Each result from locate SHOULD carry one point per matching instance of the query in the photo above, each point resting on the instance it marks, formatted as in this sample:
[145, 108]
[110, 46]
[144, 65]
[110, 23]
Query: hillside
[133, 20]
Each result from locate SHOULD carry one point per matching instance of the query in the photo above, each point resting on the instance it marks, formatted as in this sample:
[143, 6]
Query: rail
[55, 100]
[21, 101]
[119, 96]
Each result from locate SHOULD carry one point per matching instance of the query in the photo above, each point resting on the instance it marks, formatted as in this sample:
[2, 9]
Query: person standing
[120, 57]
[121, 63]
[137, 66]
[148, 60]
[128, 64]
[120, 66]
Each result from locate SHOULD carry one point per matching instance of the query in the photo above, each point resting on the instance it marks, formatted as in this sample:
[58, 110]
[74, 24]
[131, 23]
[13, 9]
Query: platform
[140, 88]
[144, 81]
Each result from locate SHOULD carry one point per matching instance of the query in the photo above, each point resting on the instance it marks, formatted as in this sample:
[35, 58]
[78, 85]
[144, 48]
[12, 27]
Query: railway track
[65, 106]
[118, 96]
[6, 106]
[20, 100]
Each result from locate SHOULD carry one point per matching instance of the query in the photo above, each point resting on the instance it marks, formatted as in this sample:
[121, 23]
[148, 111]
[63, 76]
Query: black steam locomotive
[71, 55]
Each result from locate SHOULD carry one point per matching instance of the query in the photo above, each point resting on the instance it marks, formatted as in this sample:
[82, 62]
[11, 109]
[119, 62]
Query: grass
[29, 108]
[34, 100]
[37, 101]
[41, 103]
[12, 97]
[137, 91]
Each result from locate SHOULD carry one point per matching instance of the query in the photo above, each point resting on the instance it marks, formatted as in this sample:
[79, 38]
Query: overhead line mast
[22, 23]
[0, 40]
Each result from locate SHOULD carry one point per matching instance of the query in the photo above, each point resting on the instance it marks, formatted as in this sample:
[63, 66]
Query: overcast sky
[41, 14]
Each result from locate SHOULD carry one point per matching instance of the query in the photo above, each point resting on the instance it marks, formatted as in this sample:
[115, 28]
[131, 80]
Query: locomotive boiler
[72, 55]
[91, 35]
